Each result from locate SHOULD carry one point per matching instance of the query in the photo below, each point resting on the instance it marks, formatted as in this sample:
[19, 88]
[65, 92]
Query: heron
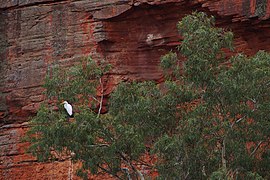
[68, 108]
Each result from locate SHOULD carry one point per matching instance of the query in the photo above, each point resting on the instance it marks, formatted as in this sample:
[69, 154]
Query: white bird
[68, 108]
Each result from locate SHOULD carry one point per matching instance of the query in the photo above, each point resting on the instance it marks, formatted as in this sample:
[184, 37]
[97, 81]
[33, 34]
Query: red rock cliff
[130, 34]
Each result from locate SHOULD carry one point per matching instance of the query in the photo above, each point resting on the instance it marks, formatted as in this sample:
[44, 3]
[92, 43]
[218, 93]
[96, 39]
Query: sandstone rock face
[130, 34]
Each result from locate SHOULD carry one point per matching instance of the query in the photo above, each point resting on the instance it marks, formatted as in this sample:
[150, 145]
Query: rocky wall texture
[130, 34]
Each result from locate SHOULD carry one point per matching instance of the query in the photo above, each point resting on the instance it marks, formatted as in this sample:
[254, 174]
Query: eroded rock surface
[130, 34]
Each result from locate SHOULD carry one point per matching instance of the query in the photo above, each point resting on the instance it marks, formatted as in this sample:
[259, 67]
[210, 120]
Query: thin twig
[98, 145]
[101, 100]
[127, 172]
[109, 172]
[126, 161]
[257, 147]
[70, 170]
[223, 155]
[240, 119]
[186, 176]
[95, 98]
[140, 162]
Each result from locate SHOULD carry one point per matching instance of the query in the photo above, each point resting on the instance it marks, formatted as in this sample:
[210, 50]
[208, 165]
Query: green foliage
[76, 83]
[52, 136]
[261, 6]
[208, 120]
[200, 34]
[218, 175]
[232, 109]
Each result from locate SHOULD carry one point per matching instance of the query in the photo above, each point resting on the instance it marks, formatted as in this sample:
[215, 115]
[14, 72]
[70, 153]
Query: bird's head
[64, 102]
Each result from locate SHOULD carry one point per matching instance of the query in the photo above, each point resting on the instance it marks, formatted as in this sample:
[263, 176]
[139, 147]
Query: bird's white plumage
[68, 107]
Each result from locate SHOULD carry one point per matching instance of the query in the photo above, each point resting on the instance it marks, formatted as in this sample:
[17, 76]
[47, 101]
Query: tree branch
[109, 172]
[98, 145]
[101, 100]
[186, 176]
[238, 120]
[126, 161]
[143, 163]
[127, 172]
[70, 169]
[223, 154]
[94, 98]
[256, 148]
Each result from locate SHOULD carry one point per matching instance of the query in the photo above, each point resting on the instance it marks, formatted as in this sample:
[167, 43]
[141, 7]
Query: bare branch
[70, 170]
[94, 98]
[98, 145]
[126, 170]
[101, 100]
[240, 119]
[223, 155]
[256, 148]
[109, 172]
[127, 162]
[186, 176]
[140, 162]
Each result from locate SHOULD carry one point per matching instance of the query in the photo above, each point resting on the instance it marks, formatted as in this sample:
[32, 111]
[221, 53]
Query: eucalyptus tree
[209, 119]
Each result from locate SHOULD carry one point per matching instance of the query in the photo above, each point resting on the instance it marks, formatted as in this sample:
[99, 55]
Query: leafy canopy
[208, 120]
